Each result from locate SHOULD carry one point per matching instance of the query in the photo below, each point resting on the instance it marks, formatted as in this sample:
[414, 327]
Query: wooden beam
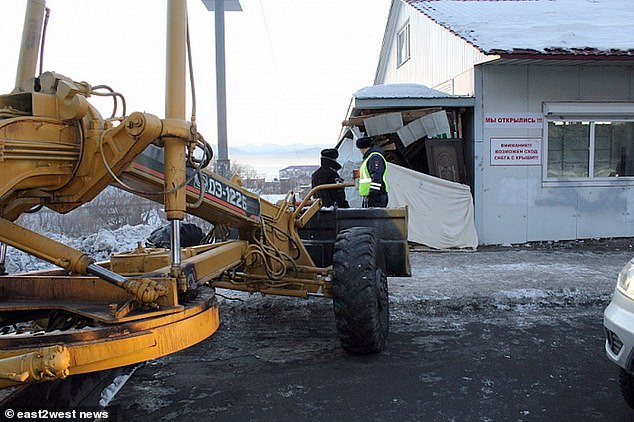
[408, 116]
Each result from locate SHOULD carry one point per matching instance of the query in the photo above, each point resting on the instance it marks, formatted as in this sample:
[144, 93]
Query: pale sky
[292, 65]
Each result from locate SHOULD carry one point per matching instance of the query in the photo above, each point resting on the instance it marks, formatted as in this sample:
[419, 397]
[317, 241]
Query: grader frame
[57, 151]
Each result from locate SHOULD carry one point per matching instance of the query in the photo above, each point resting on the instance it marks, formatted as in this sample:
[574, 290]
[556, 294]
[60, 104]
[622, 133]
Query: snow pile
[111, 390]
[402, 90]
[99, 246]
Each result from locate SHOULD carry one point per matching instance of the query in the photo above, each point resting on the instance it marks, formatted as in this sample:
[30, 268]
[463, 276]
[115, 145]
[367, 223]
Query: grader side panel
[389, 224]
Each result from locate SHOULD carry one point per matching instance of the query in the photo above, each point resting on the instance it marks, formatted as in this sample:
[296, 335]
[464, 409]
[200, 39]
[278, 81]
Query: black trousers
[375, 199]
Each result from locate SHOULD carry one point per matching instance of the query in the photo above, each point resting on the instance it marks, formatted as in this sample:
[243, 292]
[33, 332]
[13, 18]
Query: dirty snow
[518, 279]
[99, 246]
[404, 90]
[524, 282]
[111, 390]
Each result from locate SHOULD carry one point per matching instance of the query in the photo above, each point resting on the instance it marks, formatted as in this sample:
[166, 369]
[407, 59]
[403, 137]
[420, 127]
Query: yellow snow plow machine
[58, 152]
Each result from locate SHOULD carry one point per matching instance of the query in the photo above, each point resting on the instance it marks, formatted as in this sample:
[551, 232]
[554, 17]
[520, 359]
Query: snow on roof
[398, 91]
[578, 27]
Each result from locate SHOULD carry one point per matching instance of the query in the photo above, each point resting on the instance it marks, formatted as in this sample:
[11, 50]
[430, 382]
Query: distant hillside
[269, 159]
[272, 149]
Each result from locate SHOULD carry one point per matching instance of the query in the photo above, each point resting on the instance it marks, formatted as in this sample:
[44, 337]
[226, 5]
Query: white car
[618, 320]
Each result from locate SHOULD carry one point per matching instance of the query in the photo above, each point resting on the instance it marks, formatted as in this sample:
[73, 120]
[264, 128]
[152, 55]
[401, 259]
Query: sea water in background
[268, 160]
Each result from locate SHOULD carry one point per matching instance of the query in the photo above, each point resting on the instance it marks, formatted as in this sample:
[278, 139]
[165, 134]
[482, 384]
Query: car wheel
[626, 382]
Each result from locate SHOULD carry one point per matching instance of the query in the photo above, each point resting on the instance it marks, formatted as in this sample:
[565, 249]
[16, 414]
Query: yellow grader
[57, 151]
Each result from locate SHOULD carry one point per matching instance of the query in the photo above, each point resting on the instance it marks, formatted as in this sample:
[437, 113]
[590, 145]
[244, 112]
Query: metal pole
[31, 36]
[175, 243]
[175, 105]
[3, 257]
[222, 162]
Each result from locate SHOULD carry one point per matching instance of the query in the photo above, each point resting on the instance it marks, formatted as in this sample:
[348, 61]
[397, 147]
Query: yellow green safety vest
[364, 175]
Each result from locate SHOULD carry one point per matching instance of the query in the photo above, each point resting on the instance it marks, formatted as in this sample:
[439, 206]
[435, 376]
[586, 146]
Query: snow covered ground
[99, 246]
[519, 278]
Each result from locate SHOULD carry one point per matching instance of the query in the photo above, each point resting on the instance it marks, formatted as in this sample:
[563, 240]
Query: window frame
[584, 112]
[405, 30]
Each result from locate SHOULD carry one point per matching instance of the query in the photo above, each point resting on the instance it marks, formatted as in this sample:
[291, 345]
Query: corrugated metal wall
[516, 205]
[437, 56]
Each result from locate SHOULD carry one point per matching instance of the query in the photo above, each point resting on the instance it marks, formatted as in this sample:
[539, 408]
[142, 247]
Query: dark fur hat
[331, 153]
[364, 142]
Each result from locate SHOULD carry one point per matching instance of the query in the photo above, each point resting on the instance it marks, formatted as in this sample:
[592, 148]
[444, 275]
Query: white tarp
[440, 211]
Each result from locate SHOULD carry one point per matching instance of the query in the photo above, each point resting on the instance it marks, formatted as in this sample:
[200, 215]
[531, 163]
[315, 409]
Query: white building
[549, 150]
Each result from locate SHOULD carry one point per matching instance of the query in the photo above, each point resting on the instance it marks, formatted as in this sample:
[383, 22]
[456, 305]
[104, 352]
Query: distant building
[255, 185]
[297, 176]
[272, 187]
[297, 171]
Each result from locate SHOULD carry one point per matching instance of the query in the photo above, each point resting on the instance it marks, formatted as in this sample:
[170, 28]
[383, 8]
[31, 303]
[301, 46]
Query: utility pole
[220, 6]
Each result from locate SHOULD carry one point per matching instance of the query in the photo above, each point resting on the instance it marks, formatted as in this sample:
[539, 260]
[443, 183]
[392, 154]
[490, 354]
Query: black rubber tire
[626, 382]
[359, 291]
[191, 235]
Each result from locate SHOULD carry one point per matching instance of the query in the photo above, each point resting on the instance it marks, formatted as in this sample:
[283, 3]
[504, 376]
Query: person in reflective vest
[372, 182]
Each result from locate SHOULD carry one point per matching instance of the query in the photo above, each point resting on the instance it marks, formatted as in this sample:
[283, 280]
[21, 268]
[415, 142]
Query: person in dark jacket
[327, 174]
[372, 174]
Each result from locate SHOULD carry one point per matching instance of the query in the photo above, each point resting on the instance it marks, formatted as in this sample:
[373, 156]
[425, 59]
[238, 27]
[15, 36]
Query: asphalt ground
[490, 370]
[497, 334]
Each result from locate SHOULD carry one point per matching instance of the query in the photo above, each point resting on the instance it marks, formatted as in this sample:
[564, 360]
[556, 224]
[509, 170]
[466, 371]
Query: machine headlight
[625, 280]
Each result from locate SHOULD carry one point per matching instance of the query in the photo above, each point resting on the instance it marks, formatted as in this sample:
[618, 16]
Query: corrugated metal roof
[542, 27]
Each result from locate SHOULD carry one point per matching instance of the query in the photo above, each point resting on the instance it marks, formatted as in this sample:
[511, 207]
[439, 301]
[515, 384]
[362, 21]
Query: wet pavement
[497, 334]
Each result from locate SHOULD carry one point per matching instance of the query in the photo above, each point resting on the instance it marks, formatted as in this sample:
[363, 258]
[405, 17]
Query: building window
[586, 147]
[614, 149]
[402, 41]
[568, 149]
